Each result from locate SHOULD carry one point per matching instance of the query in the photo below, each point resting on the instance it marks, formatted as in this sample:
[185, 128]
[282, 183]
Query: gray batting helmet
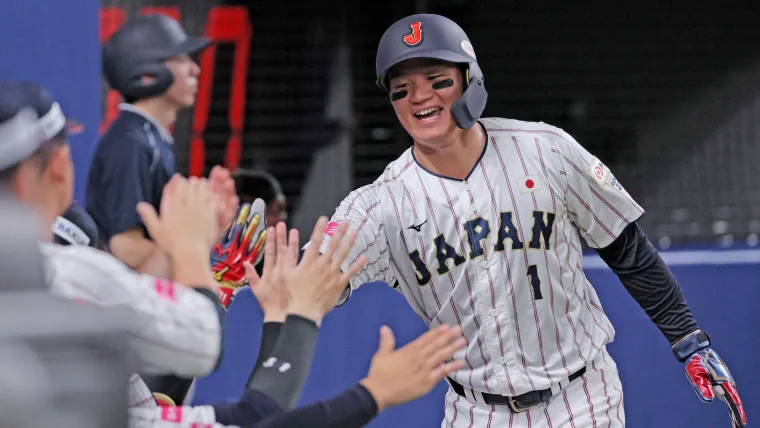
[139, 48]
[437, 37]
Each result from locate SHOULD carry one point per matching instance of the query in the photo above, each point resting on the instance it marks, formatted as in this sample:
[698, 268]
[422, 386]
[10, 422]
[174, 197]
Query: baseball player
[176, 328]
[479, 225]
[148, 61]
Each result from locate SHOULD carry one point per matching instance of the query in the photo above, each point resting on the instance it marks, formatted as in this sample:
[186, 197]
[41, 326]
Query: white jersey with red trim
[498, 253]
[174, 329]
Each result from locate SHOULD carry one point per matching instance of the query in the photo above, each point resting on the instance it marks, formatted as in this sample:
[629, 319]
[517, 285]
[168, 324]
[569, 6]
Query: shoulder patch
[599, 172]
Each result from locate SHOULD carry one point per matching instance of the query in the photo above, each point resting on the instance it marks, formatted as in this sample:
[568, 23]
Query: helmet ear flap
[135, 89]
[469, 107]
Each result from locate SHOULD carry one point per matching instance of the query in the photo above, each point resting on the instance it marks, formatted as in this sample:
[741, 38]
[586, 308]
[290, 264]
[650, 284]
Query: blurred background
[667, 95]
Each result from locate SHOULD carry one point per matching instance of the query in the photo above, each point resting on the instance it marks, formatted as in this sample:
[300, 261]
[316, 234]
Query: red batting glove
[709, 375]
[243, 242]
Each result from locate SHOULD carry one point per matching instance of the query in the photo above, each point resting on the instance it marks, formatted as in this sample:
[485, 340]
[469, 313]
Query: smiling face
[422, 92]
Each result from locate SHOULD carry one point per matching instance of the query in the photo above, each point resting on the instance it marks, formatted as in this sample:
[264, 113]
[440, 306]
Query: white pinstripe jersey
[499, 253]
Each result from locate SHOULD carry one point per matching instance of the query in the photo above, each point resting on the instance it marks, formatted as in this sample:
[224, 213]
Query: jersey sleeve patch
[599, 172]
[171, 414]
[165, 289]
[331, 228]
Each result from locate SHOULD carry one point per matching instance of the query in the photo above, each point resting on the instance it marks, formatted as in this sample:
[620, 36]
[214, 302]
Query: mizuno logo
[417, 227]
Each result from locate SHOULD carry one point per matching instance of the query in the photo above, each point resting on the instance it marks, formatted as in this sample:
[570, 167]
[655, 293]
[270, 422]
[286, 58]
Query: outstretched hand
[269, 288]
[398, 376]
[317, 282]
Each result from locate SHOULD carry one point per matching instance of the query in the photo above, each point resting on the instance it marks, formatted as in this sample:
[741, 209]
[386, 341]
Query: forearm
[140, 253]
[270, 335]
[156, 263]
[283, 374]
[354, 408]
[649, 281]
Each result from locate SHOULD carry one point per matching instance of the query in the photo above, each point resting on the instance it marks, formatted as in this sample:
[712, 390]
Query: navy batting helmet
[139, 48]
[436, 37]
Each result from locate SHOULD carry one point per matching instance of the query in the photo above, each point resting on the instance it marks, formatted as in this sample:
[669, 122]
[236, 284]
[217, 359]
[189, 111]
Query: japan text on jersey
[498, 253]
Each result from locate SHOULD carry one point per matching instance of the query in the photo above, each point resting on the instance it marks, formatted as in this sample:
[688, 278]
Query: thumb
[387, 341]
[250, 274]
[149, 217]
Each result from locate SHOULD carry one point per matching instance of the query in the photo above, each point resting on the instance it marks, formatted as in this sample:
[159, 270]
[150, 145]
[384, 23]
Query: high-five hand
[317, 282]
[270, 289]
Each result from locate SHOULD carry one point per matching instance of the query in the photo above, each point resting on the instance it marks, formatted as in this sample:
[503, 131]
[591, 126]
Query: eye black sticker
[441, 84]
[399, 95]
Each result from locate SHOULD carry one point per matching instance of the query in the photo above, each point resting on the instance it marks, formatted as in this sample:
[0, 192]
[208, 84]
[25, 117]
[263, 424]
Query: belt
[518, 403]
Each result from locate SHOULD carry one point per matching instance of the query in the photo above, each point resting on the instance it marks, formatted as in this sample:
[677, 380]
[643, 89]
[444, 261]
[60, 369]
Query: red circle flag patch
[531, 183]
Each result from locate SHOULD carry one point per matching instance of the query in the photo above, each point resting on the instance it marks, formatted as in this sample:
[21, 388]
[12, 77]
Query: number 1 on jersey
[535, 282]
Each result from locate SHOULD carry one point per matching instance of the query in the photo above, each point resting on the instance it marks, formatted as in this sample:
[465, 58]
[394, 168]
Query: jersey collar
[165, 135]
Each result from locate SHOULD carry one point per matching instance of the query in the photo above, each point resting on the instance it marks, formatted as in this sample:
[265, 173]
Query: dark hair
[256, 184]
[43, 155]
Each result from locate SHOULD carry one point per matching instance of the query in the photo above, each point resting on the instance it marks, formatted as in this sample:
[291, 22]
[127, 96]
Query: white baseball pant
[593, 400]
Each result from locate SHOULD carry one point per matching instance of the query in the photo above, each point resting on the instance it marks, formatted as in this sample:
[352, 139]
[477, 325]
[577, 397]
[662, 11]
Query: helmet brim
[189, 46]
[443, 55]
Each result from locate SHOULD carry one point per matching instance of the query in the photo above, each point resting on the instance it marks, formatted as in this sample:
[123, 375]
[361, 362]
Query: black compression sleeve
[354, 408]
[254, 406]
[283, 374]
[270, 334]
[649, 281]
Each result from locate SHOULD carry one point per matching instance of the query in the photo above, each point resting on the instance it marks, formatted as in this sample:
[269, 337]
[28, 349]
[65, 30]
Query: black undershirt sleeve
[352, 409]
[649, 281]
[282, 374]
[270, 335]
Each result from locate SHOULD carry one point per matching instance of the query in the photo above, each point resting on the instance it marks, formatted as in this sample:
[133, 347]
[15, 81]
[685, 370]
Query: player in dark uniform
[148, 61]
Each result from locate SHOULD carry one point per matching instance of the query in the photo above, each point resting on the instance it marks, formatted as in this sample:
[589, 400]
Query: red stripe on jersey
[454, 419]
[606, 394]
[618, 404]
[548, 418]
[600, 197]
[546, 269]
[421, 307]
[525, 256]
[569, 409]
[467, 282]
[451, 278]
[588, 400]
[509, 277]
[586, 205]
[372, 186]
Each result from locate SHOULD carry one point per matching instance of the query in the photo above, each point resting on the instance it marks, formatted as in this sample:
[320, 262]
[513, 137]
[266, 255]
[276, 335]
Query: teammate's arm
[396, 376]
[140, 253]
[129, 179]
[174, 328]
